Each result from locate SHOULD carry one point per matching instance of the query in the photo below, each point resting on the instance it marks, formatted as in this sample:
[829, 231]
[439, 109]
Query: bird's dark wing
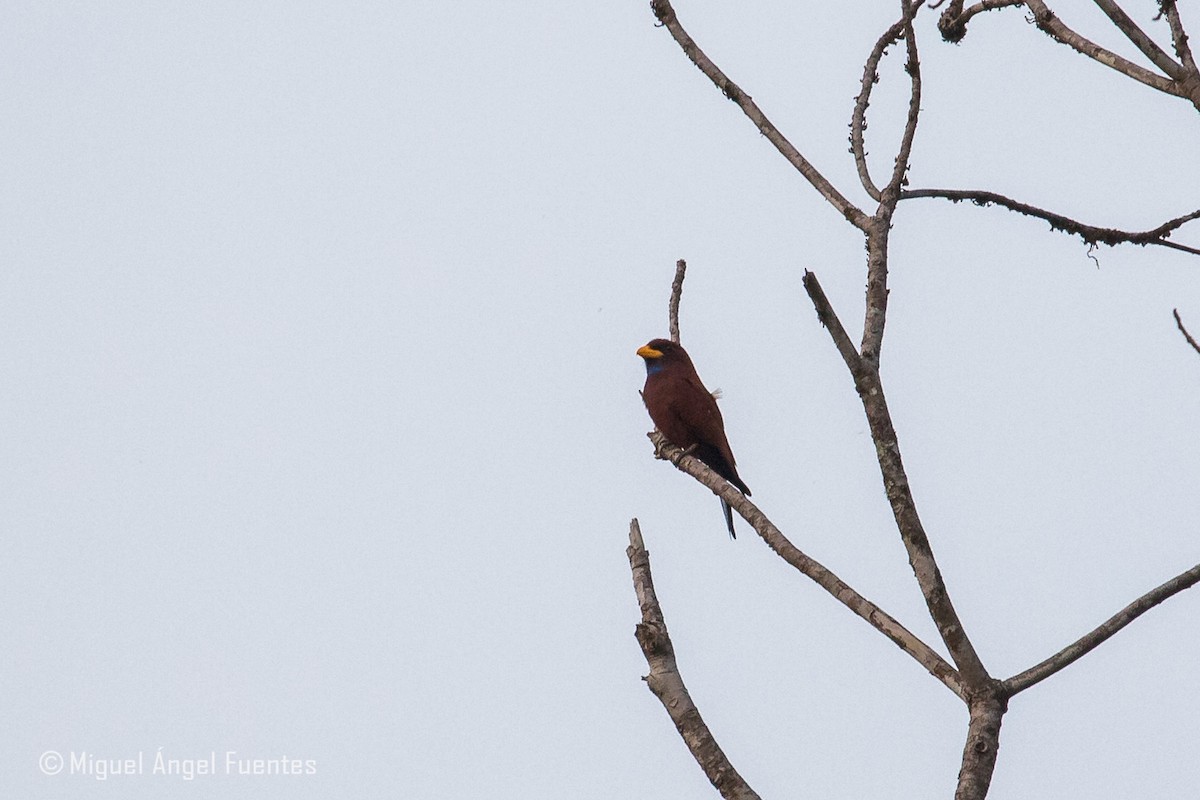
[697, 409]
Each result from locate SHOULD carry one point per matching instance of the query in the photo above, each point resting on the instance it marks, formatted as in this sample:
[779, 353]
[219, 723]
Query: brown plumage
[686, 412]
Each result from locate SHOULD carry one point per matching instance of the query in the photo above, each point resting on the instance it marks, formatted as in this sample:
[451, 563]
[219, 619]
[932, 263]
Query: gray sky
[322, 431]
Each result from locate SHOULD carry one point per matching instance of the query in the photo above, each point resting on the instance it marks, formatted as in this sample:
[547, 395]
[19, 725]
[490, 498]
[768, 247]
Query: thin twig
[823, 577]
[1073, 652]
[1141, 41]
[1184, 331]
[666, 15]
[666, 683]
[673, 304]
[1090, 234]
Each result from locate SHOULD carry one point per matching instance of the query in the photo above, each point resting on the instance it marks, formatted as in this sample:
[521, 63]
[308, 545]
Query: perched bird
[686, 413]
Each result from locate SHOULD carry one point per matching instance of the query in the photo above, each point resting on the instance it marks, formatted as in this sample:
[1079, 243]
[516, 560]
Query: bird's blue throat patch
[653, 365]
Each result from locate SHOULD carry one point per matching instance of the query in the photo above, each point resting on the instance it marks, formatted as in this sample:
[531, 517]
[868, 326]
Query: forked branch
[1140, 40]
[967, 677]
[1178, 78]
[953, 21]
[870, 77]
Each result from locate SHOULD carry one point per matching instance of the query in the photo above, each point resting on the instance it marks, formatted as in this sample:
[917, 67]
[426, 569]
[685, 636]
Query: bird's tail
[728, 518]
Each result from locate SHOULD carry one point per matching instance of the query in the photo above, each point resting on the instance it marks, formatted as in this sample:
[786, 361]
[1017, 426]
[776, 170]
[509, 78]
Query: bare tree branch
[879, 225]
[899, 494]
[953, 21]
[1179, 37]
[822, 576]
[981, 748]
[867, 377]
[870, 77]
[865, 370]
[1047, 21]
[858, 118]
[858, 126]
[1182, 78]
[968, 678]
[875, 318]
[829, 319]
[666, 15]
[1190, 81]
[667, 684]
[1089, 233]
[912, 532]
[913, 67]
[1073, 652]
[673, 304]
[1184, 331]
[1141, 41]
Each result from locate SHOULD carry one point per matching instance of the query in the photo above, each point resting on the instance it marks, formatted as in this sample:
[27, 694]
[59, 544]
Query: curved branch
[667, 684]
[858, 118]
[870, 76]
[666, 15]
[953, 21]
[1091, 234]
[819, 574]
[1073, 652]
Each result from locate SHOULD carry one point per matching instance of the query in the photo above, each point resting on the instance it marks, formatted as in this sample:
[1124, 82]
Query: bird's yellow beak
[646, 351]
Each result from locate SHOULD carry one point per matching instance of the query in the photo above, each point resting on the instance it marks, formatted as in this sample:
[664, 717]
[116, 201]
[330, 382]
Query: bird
[686, 413]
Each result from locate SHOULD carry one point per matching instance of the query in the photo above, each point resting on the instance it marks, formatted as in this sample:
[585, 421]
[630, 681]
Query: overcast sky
[321, 429]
